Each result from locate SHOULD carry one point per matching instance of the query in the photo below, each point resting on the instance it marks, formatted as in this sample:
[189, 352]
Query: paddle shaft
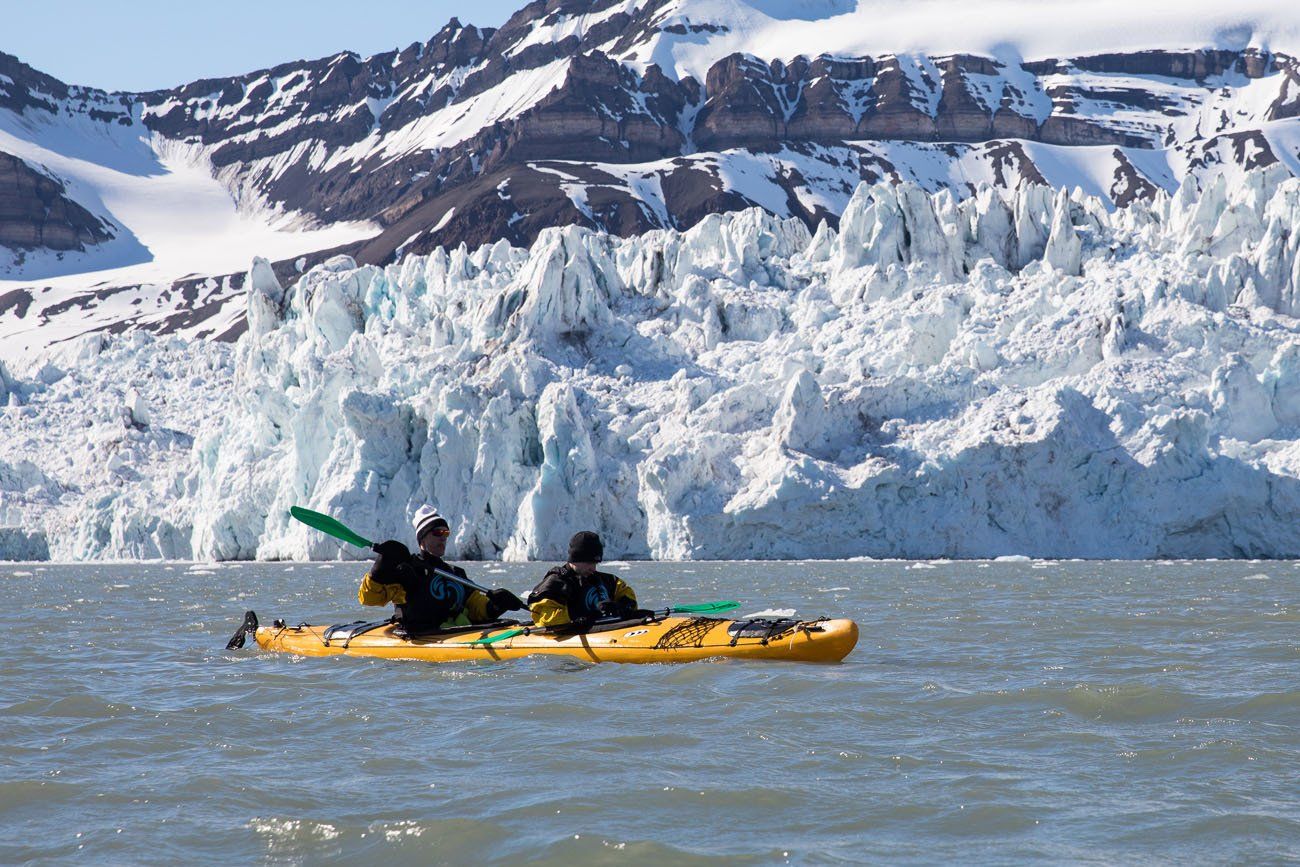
[468, 583]
[712, 608]
[338, 530]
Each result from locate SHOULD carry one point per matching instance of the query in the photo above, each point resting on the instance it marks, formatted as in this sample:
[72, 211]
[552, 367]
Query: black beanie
[585, 547]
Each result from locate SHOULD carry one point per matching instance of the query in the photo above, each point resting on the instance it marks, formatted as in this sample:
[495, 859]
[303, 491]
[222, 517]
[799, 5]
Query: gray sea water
[992, 713]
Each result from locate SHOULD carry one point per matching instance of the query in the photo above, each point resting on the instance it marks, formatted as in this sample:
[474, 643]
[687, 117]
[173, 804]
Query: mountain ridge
[588, 114]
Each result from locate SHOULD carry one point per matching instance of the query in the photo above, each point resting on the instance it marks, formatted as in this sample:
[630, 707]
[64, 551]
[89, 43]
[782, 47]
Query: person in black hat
[425, 601]
[576, 593]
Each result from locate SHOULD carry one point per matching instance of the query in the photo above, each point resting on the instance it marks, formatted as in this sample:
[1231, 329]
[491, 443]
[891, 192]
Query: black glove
[617, 608]
[579, 624]
[501, 601]
[392, 555]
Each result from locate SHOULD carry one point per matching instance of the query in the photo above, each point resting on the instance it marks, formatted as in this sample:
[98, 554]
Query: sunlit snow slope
[170, 219]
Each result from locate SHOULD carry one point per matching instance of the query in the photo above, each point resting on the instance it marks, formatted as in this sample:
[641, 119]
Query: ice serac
[568, 492]
[1064, 250]
[1021, 370]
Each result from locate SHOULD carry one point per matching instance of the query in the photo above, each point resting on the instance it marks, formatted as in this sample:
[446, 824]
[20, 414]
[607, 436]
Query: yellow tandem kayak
[658, 639]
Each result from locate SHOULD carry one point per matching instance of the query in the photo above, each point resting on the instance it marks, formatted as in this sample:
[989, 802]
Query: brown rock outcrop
[35, 212]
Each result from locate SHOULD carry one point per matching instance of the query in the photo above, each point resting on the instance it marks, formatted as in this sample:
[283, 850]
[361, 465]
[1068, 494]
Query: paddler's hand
[608, 608]
[502, 600]
[391, 555]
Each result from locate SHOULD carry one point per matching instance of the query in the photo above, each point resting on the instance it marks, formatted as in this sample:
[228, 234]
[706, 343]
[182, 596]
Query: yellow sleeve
[622, 591]
[374, 593]
[548, 612]
[476, 607]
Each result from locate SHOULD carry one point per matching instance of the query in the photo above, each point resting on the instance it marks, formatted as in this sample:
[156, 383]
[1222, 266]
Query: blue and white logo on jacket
[449, 593]
[595, 595]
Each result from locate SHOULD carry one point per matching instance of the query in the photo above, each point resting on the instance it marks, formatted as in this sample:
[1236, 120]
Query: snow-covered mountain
[620, 115]
[720, 278]
[1020, 371]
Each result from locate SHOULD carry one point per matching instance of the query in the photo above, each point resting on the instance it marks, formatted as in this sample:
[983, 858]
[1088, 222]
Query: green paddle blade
[328, 525]
[707, 607]
[509, 633]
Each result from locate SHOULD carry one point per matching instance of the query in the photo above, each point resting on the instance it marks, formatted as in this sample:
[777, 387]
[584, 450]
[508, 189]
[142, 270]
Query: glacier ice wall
[1017, 372]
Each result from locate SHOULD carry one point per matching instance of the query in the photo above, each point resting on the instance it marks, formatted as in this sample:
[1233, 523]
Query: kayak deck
[665, 639]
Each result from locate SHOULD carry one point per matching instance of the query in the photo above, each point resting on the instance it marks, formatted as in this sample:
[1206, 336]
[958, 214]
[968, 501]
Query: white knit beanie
[425, 518]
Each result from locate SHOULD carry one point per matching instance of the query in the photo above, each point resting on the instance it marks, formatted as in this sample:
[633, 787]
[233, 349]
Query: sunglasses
[441, 532]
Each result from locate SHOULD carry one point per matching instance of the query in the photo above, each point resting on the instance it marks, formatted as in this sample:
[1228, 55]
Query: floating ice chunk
[771, 612]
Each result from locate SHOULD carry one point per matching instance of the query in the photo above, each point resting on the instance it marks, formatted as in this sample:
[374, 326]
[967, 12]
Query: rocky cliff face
[36, 213]
[583, 113]
[600, 112]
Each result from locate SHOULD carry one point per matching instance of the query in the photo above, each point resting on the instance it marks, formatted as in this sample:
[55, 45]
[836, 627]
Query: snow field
[1010, 30]
[171, 216]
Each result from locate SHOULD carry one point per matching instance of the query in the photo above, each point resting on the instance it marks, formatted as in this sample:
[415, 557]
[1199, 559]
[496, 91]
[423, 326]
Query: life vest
[582, 596]
[432, 601]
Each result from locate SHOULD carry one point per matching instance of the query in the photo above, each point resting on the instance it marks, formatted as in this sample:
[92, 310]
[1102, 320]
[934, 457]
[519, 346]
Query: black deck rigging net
[688, 634]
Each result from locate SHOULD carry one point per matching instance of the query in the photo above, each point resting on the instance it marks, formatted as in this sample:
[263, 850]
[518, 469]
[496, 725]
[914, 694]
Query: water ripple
[992, 713]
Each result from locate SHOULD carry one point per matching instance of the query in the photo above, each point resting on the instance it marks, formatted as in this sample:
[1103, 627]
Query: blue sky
[148, 44]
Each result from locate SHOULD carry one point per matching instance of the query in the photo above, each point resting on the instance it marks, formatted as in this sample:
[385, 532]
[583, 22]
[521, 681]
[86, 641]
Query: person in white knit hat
[425, 601]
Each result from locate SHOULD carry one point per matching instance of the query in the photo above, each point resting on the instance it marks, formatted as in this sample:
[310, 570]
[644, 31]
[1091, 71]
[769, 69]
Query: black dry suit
[564, 596]
[424, 600]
